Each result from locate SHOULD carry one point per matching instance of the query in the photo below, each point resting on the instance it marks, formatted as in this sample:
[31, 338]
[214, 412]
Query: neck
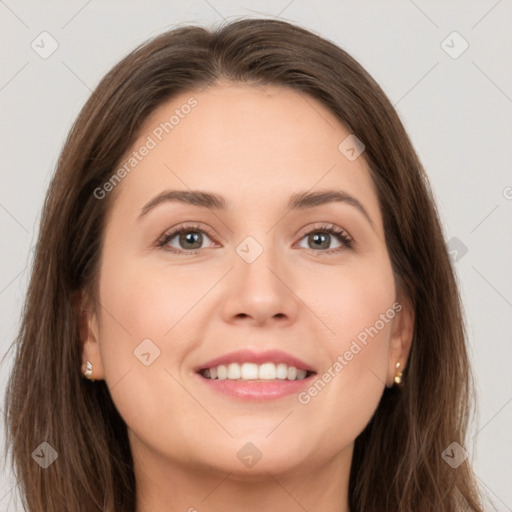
[164, 485]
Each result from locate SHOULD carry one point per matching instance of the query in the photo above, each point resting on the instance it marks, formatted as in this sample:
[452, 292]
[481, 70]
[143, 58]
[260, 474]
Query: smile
[253, 371]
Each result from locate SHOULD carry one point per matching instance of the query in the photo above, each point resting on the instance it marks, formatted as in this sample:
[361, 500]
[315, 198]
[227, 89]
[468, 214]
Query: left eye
[322, 236]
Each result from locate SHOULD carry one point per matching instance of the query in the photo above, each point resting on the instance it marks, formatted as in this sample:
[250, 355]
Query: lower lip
[257, 390]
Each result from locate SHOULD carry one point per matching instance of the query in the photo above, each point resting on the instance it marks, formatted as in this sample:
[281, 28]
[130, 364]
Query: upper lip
[249, 356]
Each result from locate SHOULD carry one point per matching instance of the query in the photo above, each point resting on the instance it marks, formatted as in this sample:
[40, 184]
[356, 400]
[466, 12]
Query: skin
[255, 146]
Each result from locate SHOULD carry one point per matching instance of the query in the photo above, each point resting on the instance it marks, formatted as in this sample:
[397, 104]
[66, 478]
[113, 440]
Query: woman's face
[267, 277]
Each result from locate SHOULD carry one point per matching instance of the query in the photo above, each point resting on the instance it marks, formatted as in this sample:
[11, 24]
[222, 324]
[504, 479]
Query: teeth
[282, 371]
[253, 371]
[222, 372]
[234, 371]
[292, 373]
[267, 371]
[248, 370]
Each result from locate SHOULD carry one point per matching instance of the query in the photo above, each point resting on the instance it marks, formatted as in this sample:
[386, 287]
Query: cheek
[144, 336]
[148, 302]
[357, 308]
[351, 300]
[136, 312]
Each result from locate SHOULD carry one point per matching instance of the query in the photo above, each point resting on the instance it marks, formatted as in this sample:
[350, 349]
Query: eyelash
[331, 229]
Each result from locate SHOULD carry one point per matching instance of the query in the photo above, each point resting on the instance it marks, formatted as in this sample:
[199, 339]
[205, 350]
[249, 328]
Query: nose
[260, 292]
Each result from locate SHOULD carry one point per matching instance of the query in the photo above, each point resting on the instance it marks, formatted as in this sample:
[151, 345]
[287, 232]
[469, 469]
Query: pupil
[317, 237]
[191, 237]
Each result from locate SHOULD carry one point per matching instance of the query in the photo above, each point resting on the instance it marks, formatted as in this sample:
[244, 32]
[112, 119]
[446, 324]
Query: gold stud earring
[398, 375]
[88, 371]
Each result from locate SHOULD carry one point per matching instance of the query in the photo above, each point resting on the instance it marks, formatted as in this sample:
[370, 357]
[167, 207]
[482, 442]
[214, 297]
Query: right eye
[188, 237]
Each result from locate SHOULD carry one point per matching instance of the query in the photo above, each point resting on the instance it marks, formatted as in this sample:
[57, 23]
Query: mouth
[252, 372]
[254, 376]
[248, 365]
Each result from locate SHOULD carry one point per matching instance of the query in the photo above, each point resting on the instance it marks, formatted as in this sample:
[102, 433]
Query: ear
[401, 338]
[89, 330]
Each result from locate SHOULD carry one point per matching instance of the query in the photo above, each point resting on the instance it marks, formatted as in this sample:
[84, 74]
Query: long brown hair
[397, 462]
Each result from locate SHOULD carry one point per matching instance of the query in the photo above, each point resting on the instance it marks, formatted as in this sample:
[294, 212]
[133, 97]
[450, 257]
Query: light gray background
[457, 112]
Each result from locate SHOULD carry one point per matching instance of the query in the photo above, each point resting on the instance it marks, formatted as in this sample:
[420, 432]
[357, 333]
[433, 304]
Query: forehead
[268, 122]
[245, 142]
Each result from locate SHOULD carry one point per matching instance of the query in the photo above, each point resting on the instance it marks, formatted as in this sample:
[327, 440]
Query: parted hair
[397, 460]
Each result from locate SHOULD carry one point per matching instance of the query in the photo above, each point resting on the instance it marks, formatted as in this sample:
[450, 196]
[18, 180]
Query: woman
[306, 352]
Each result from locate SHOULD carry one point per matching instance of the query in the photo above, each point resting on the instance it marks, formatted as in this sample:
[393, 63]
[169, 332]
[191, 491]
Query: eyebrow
[297, 201]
